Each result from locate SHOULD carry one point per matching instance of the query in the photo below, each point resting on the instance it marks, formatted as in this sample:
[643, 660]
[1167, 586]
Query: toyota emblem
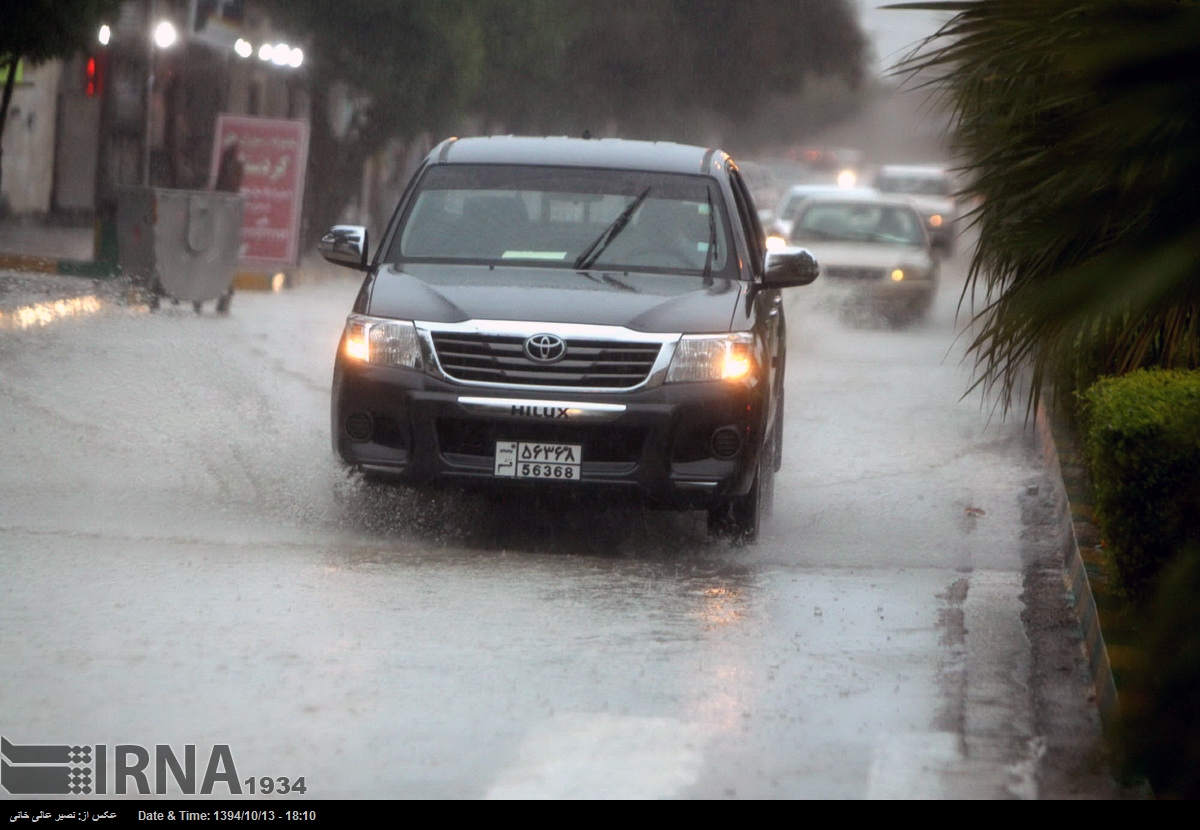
[545, 348]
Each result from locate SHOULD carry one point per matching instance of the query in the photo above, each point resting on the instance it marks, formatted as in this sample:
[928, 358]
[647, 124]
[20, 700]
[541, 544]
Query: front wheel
[740, 518]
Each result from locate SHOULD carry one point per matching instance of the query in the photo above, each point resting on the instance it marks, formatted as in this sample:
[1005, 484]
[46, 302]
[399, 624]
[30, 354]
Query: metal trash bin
[180, 244]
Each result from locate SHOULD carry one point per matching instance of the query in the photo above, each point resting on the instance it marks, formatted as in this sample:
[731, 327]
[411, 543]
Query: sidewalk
[48, 246]
[44, 262]
[47, 272]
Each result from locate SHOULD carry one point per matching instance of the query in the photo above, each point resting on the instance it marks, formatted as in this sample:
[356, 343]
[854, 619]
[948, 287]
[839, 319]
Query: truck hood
[642, 302]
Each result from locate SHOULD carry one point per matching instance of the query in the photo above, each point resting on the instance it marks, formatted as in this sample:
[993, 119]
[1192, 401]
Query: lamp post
[162, 36]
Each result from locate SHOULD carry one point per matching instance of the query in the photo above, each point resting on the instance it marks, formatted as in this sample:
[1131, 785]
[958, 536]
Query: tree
[404, 67]
[684, 69]
[521, 84]
[658, 68]
[36, 31]
[1077, 128]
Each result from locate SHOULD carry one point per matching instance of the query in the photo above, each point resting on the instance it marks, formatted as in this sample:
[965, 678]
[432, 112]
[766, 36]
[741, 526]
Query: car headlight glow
[382, 342]
[728, 357]
[910, 272]
[776, 243]
[935, 220]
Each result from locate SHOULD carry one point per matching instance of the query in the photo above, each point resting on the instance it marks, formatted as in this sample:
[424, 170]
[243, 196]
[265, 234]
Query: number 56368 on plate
[531, 459]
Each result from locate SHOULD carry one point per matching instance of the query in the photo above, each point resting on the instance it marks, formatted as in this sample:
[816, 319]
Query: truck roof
[617, 153]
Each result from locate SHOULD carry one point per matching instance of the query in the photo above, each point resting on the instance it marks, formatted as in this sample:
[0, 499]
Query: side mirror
[787, 269]
[345, 245]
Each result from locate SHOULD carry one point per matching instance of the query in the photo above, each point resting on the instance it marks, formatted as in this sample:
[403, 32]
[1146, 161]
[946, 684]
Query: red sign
[264, 159]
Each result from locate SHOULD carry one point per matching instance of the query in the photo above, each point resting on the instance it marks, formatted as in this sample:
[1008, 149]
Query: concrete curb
[1075, 579]
[27, 263]
[243, 280]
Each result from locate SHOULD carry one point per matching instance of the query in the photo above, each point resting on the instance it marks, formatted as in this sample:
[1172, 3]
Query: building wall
[66, 152]
[77, 151]
[27, 180]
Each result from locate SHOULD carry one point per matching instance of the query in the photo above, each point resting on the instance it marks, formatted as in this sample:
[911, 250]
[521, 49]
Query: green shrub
[1142, 444]
[1159, 734]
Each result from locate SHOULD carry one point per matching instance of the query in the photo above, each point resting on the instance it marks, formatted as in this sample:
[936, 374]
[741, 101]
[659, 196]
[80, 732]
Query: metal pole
[149, 35]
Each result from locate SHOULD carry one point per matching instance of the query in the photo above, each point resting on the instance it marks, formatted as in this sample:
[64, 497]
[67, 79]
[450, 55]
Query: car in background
[931, 188]
[874, 251]
[560, 315]
[789, 206]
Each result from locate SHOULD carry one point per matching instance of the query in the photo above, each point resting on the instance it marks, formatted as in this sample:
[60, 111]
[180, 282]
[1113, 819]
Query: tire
[768, 470]
[154, 290]
[777, 444]
[740, 518]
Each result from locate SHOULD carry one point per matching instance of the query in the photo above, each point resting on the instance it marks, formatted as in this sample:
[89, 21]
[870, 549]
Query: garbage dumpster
[180, 244]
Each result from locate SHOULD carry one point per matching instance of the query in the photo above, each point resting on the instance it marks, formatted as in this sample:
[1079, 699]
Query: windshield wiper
[589, 256]
[611, 280]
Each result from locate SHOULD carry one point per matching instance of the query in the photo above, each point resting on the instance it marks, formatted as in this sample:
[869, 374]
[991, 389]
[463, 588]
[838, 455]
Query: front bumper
[685, 445]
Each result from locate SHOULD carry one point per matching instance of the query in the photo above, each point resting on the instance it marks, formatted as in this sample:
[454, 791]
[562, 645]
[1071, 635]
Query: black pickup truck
[570, 314]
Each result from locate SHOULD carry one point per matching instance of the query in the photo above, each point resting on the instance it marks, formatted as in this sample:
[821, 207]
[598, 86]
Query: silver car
[784, 215]
[875, 247]
[931, 189]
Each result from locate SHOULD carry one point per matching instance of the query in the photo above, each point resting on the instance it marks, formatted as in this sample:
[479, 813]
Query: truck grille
[500, 360]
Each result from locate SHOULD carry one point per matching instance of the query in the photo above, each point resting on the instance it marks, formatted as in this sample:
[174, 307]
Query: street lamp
[164, 34]
[163, 37]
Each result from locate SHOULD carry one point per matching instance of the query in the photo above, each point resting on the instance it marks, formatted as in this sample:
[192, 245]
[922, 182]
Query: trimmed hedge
[1142, 443]
[1158, 739]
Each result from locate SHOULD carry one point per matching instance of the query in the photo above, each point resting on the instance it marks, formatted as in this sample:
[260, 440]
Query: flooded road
[185, 564]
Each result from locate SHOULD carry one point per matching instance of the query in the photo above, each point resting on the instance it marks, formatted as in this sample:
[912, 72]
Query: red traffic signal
[93, 75]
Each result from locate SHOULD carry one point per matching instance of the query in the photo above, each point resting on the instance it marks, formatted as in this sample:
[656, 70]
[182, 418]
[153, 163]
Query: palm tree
[1077, 128]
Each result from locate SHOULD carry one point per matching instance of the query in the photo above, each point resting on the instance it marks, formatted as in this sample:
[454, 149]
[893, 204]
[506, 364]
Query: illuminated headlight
[908, 274]
[935, 220]
[712, 357]
[382, 342]
[776, 243]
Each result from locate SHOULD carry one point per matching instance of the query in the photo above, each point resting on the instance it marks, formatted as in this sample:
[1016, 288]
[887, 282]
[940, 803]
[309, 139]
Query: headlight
[382, 342]
[712, 357]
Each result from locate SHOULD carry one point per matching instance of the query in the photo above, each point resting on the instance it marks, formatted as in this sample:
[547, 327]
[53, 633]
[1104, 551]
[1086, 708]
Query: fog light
[726, 442]
[360, 426]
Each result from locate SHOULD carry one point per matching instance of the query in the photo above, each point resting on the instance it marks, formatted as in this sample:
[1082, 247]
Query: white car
[789, 206]
[873, 249]
[931, 188]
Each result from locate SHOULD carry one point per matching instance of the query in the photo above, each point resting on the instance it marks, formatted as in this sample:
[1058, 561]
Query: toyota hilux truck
[570, 315]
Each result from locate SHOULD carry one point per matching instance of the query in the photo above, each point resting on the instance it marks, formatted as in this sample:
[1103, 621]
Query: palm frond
[1076, 124]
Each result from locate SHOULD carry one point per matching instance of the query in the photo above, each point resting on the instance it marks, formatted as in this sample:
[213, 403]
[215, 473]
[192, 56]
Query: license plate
[529, 459]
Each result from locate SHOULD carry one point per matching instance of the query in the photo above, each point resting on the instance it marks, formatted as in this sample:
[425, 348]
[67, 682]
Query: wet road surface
[185, 564]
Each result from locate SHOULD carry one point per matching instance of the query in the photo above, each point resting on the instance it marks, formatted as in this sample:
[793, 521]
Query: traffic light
[93, 75]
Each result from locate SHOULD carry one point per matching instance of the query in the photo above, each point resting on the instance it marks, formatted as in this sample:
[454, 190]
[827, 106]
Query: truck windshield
[553, 217]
